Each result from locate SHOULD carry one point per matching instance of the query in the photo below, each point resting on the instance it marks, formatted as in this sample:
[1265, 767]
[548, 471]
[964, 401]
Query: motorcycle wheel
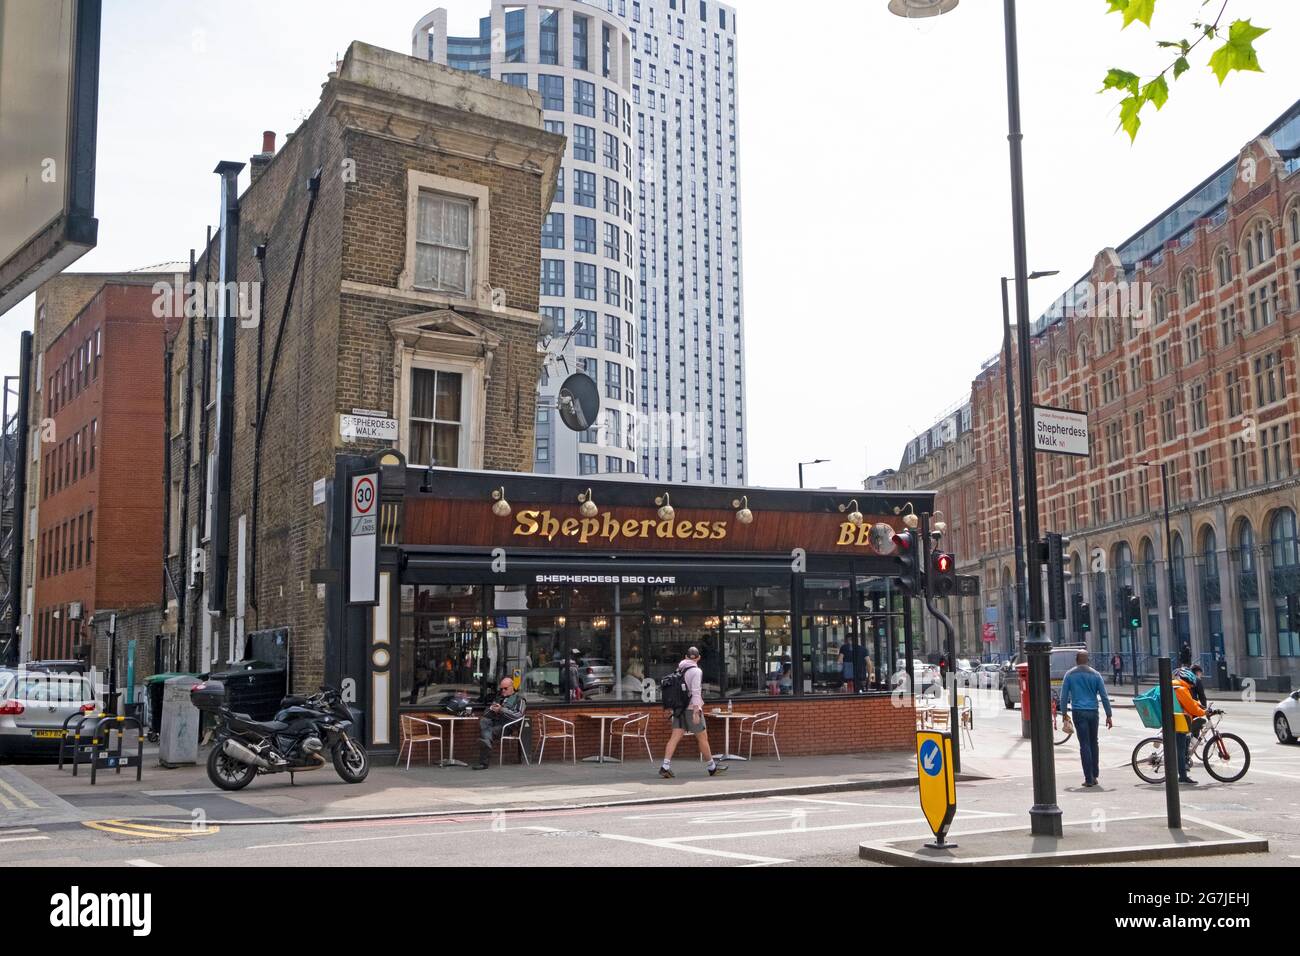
[227, 773]
[351, 762]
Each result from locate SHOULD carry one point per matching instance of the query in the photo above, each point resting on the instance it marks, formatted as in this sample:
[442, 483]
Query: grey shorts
[689, 721]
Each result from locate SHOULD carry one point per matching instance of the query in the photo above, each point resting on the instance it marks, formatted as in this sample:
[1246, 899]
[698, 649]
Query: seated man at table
[507, 707]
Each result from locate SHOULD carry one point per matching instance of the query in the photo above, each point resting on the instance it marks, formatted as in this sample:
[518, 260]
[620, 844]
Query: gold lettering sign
[543, 524]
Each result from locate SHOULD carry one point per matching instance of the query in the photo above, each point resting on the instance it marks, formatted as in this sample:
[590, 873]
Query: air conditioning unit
[198, 561]
[74, 611]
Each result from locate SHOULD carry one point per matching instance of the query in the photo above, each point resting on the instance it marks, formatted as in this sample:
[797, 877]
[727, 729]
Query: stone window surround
[480, 231]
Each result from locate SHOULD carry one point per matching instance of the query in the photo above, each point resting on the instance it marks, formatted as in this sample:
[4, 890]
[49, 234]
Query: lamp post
[1169, 541]
[1044, 815]
[815, 461]
[1016, 526]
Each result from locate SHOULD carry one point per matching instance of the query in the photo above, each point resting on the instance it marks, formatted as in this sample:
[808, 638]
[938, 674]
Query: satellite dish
[578, 402]
[882, 538]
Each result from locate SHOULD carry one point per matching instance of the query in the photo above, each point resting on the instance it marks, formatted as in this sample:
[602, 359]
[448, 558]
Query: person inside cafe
[507, 707]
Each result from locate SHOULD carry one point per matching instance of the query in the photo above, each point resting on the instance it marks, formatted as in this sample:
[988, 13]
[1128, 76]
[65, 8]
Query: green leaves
[1238, 53]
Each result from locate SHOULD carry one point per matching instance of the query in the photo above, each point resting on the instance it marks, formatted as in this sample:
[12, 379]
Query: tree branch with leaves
[1236, 51]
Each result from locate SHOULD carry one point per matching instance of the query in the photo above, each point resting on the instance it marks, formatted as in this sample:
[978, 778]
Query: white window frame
[472, 385]
[480, 288]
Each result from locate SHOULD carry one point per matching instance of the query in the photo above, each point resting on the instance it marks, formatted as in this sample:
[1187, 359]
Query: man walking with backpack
[681, 695]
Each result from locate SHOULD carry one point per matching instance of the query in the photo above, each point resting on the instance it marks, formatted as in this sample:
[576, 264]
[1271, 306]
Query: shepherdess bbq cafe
[586, 591]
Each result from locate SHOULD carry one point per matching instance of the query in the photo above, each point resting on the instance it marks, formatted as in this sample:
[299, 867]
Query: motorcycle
[304, 731]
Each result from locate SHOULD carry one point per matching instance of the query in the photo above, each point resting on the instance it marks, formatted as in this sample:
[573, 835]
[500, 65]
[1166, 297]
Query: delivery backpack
[674, 691]
[1148, 707]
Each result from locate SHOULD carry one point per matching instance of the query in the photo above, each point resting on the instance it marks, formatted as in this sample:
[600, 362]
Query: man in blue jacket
[1082, 686]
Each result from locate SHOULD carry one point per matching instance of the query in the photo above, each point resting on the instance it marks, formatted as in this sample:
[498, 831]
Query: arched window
[1105, 335]
[1180, 572]
[1282, 536]
[1124, 563]
[1209, 555]
[1293, 224]
[1159, 307]
[1062, 365]
[1188, 288]
[1085, 350]
[1246, 546]
[1258, 245]
[1223, 267]
[1043, 380]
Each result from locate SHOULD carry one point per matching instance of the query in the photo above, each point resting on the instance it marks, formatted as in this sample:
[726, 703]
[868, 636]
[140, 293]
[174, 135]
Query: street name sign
[354, 428]
[1061, 431]
[937, 783]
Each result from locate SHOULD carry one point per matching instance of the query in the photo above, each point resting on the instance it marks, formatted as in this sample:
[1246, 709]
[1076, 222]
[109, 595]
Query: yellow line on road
[23, 798]
[123, 828]
[6, 803]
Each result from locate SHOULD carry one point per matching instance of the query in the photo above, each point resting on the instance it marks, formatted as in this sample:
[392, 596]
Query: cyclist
[1084, 686]
[1184, 691]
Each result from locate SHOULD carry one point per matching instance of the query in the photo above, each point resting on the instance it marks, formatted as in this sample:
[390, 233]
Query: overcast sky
[874, 182]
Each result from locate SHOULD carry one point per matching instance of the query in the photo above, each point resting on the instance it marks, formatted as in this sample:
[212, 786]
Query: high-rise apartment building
[641, 276]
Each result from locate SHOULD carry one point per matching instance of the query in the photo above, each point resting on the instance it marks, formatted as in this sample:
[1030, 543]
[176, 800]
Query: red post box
[1022, 672]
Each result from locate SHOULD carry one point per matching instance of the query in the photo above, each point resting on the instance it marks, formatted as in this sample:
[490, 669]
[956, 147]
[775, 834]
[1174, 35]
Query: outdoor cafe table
[728, 716]
[451, 743]
[603, 717]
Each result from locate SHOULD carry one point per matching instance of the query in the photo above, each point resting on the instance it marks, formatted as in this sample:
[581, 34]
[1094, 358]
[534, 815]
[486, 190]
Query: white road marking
[396, 836]
[676, 844]
[33, 830]
[849, 803]
[140, 862]
[840, 826]
[22, 839]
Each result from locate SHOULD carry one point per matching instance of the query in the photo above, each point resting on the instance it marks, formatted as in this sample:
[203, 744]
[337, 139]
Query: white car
[1286, 719]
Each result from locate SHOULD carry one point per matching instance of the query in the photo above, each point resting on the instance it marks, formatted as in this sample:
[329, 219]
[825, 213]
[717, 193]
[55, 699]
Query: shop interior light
[855, 515]
[657, 619]
[665, 507]
[452, 622]
[744, 515]
[500, 507]
[561, 621]
[588, 509]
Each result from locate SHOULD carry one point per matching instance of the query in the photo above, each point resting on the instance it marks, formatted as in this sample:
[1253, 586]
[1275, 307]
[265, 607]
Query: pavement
[40, 793]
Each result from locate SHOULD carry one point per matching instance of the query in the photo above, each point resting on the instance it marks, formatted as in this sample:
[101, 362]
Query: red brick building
[98, 532]
[1181, 344]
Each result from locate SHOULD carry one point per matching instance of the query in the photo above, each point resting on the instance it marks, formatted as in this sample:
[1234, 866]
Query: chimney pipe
[258, 163]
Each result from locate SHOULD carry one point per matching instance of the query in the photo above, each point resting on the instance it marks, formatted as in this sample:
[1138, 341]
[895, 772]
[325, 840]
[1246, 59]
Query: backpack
[674, 691]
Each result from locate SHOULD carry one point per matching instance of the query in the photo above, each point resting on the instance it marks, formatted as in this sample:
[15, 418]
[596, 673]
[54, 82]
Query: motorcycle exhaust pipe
[237, 751]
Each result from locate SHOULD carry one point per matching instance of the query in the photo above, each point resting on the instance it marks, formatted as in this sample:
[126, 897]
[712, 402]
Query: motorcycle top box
[208, 696]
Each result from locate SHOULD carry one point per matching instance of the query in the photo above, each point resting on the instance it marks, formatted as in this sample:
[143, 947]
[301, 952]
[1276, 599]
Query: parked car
[925, 677]
[1286, 718]
[34, 705]
[989, 675]
[1063, 658]
[596, 675]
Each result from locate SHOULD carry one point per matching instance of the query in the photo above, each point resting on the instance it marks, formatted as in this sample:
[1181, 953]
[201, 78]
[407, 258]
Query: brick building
[91, 386]
[385, 264]
[1181, 344]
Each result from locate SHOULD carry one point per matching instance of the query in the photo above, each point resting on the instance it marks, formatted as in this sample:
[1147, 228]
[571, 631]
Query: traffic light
[909, 574]
[942, 579]
[1132, 607]
[1085, 618]
[1056, 577]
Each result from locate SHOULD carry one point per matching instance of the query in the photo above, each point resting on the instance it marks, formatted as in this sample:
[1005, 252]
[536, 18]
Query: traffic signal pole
[1044, 815]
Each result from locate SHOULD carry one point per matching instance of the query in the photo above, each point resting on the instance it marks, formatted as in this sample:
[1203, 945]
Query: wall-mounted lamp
[665, 507]
[500, 507]
[855, 516]
[743, 515]
[588, 509]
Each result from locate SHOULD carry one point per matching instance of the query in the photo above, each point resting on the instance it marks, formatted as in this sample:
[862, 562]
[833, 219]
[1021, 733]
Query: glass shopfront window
[615, 642]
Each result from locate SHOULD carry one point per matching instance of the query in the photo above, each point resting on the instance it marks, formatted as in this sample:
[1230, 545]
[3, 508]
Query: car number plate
[47, 733]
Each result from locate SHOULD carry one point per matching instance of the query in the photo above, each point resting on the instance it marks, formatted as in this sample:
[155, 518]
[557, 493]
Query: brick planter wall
[806, 727]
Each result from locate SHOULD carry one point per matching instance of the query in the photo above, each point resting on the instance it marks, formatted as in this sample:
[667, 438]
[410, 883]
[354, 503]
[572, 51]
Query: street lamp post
[815, 461]
[1016, 526]
[1169, 557]
[1044, 815]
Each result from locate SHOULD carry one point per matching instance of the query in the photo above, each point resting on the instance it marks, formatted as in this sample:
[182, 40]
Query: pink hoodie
[694, 676]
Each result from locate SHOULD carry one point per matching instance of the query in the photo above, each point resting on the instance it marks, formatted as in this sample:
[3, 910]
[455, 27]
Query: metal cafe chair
[416, 730]
[632, 727]
[767, 723]
[514, 731]
[557, 728]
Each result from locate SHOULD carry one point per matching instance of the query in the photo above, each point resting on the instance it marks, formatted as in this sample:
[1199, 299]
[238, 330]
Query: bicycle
[1061, 731]
[1225, 756]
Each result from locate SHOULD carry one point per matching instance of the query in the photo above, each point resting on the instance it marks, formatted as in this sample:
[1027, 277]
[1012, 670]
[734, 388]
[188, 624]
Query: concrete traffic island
[1100, 840]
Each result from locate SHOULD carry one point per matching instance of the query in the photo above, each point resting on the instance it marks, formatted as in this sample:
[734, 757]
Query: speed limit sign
[363, 539]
